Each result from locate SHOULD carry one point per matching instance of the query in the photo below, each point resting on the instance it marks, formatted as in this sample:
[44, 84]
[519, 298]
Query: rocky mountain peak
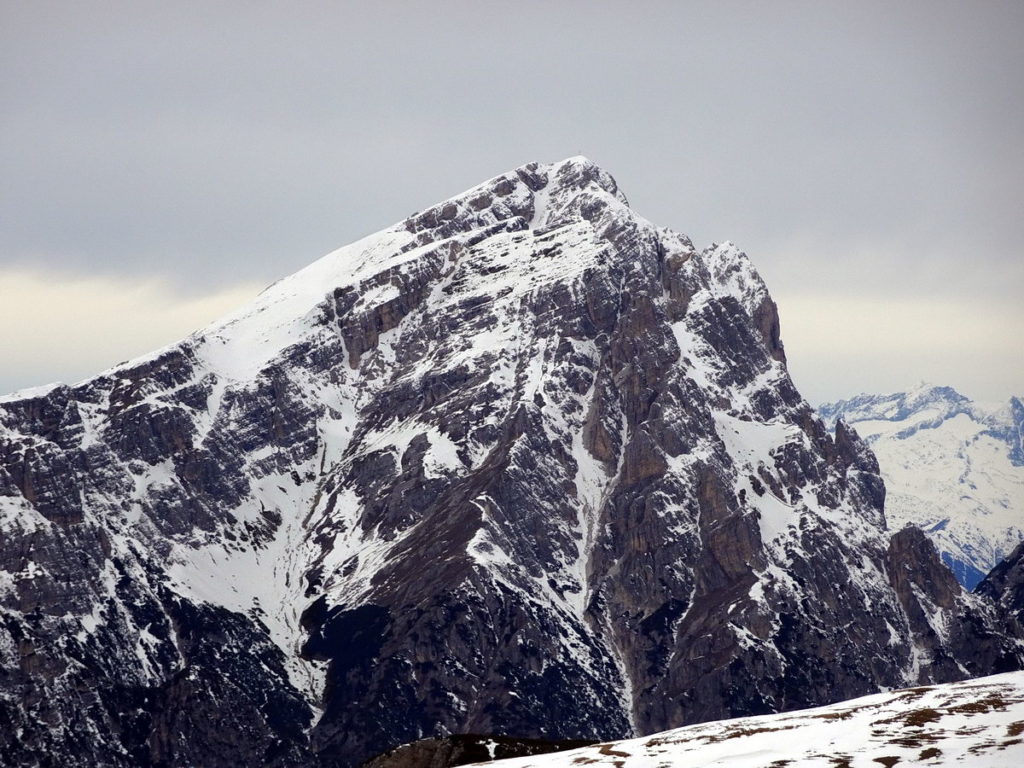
[534, 196]
[1004, 585]
[523, 463]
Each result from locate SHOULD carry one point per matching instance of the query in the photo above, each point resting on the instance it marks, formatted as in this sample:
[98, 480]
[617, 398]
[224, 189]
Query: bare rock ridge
[522, 464]
[1005, 586]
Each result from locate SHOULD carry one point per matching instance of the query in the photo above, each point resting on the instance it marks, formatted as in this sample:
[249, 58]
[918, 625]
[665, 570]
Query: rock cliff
[1005, 587]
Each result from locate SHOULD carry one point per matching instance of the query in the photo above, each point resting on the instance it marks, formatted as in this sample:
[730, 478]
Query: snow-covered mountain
[978, 723]
[953, 467]
[524, 463]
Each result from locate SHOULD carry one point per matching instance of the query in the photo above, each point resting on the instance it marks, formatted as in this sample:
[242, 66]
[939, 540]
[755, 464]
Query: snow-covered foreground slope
[524, 463]
[953, 467]
[976, 723]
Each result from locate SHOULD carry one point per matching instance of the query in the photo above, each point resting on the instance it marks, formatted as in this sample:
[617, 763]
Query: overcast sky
[163, 162]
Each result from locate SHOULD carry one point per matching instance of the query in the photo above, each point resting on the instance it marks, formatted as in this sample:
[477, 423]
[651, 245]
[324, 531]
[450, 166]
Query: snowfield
[974, 723]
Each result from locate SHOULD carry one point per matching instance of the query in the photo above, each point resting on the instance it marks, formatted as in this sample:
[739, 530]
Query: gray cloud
[874, 151]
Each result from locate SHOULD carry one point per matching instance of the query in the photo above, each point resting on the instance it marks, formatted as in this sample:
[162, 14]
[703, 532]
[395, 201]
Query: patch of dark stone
[463, 749]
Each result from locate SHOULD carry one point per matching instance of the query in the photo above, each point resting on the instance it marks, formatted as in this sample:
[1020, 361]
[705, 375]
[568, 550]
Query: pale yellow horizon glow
[58, 328]
[842, 345]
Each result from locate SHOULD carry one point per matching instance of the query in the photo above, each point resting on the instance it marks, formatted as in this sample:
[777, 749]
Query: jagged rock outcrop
[523, 464]
[927, 589]
[1005, 587]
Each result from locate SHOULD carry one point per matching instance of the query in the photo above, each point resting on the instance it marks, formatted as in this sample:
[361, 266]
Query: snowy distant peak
[952, 466]
[930, 395]
[927, 406]
[1010, 427]
[941, 402]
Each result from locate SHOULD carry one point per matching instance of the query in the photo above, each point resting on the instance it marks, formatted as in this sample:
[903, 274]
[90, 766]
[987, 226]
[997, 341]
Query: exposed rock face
[953, 467]
[927, 589]
[1005, 587]
[523, 464]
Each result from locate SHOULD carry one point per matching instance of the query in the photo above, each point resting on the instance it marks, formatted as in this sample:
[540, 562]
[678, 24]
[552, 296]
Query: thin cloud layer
[67, 330]
[854, 344]
[875, 151]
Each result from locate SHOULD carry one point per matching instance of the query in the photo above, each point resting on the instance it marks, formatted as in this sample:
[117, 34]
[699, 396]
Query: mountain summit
[523, 463]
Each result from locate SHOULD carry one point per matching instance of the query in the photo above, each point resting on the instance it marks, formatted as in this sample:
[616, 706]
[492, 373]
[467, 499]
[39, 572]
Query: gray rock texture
[1005, 587]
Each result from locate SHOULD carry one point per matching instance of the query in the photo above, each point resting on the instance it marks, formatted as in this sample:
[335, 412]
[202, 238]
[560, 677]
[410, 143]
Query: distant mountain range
[952, 466]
